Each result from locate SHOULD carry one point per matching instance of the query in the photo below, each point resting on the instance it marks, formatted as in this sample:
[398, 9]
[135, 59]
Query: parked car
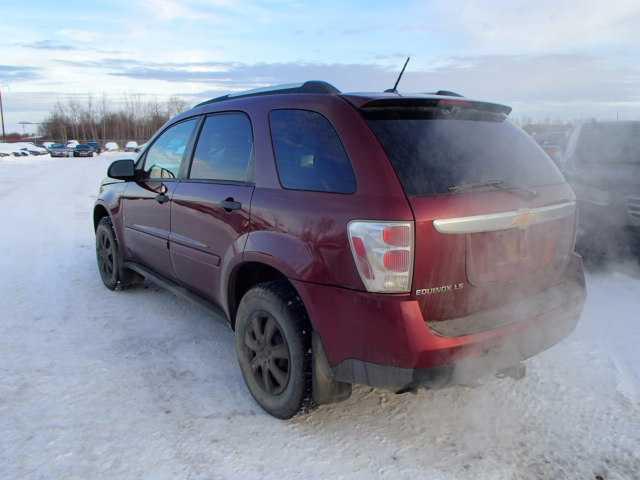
[47, 144]
[83, 150]
[31, 148]
[602, 163]
[131, 146]
[95, 146]
[72, 144]
[139, 148]
[11, 149]
[397, 241]
[111, 147]
[59, 150]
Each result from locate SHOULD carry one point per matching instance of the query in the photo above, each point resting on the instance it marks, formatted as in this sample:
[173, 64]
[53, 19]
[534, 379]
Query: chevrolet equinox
[397, 241]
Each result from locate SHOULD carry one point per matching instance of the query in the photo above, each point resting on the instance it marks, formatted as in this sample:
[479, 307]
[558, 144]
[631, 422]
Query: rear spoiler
[426, 102]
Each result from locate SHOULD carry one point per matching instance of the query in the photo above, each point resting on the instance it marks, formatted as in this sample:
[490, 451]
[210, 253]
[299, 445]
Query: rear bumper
[384, 341]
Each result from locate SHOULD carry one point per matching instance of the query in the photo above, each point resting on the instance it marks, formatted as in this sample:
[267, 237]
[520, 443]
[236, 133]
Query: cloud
[521, 78]
[14, 73]
[79, 36]
[169, 10]
[546, 26]
[47, 45]
[562, 86]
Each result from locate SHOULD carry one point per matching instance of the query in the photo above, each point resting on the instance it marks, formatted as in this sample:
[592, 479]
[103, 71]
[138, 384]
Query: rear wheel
[113, 274]
[274, 348]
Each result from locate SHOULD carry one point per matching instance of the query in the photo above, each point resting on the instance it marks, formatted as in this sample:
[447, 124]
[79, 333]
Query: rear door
[494, 217]
[147, 211]
[211, 207]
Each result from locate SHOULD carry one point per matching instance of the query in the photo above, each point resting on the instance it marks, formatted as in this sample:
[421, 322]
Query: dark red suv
[398, 241]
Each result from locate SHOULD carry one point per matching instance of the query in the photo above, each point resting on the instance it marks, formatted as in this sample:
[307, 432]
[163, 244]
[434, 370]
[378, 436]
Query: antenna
[395, 86]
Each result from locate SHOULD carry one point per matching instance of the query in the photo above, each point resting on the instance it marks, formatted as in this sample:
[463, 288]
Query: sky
[559, 60]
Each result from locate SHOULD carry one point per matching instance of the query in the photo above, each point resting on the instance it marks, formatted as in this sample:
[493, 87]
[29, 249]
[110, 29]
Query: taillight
[383, 253]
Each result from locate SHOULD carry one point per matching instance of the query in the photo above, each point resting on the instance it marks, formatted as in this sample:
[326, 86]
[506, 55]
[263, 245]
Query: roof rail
[448, 93]
[310, 86]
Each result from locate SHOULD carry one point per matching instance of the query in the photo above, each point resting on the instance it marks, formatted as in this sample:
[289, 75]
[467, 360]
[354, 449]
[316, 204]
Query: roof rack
[310, 86]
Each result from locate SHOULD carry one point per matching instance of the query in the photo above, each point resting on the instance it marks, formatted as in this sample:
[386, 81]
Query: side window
[224, 148]
[167, 152]
[309, 154]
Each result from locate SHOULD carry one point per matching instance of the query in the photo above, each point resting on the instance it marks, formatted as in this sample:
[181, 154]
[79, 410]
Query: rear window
[309, 154]
[609, 143]
[432, 153]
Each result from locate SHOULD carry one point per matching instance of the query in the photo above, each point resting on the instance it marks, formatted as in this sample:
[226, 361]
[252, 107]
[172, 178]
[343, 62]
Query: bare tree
[133, 118]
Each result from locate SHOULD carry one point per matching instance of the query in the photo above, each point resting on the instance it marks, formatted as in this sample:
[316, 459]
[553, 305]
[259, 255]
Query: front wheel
[274, 348]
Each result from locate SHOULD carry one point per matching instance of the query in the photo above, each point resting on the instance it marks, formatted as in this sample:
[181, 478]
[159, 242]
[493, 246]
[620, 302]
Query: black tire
[273, 345]
[113, 274]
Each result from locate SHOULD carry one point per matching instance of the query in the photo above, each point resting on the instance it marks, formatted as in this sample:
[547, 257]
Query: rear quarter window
[309, 154]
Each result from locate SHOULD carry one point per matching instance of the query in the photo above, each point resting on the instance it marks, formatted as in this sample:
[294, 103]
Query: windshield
[432, 155]
[610, 143]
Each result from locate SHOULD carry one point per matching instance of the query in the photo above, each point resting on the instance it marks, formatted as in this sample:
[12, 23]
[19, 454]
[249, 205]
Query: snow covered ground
[138, 384]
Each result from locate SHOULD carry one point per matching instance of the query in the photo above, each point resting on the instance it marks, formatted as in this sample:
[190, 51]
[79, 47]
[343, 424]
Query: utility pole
[2, 116]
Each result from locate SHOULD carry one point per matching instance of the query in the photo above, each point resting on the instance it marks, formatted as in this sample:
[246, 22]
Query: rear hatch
[495, 220]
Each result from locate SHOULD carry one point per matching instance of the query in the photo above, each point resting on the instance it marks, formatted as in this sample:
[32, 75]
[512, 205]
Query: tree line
[133, 118]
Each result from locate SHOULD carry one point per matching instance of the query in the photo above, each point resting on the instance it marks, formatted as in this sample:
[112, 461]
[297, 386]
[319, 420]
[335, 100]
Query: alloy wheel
[267, 353]
[105, 255]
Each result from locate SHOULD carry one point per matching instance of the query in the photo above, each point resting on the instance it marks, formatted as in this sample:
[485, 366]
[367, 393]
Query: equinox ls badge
[441, 289]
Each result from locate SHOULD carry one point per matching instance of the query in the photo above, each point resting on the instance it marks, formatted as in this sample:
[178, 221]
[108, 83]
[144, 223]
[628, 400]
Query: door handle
[162, 198]
[229, 204]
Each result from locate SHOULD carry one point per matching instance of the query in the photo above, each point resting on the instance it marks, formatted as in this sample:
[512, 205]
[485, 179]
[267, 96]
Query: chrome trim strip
[493, 222]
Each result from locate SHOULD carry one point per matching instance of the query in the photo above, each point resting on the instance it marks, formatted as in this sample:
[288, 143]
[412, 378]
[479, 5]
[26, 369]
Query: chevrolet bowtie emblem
[523, 220]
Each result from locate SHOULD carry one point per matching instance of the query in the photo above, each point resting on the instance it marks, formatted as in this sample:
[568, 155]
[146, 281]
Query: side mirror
[122, 170]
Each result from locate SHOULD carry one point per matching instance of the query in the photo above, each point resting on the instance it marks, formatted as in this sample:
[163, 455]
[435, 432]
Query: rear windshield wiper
[495, 185]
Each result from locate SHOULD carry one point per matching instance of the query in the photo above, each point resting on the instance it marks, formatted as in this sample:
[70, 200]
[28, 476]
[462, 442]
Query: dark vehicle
[59, 150]
[602, 163]
[83, 150]
[97, 148]
[381, 239]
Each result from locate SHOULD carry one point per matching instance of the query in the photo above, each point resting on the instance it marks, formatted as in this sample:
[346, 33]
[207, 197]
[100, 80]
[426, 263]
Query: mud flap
[325, 388]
